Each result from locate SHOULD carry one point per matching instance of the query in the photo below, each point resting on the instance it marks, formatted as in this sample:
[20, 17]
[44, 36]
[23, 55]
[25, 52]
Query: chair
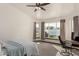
[68, 49]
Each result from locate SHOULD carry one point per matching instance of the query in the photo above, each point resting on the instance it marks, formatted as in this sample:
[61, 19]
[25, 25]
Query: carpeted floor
[47, 49]
[59, 48]
[76, 52]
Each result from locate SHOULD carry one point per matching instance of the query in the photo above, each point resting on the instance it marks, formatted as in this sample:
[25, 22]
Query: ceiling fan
[39, 5]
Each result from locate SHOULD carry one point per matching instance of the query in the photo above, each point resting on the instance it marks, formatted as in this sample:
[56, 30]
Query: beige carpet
[46, 49]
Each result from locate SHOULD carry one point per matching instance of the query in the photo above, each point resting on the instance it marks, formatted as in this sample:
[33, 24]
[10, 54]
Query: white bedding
[21, 48]
[31, 49]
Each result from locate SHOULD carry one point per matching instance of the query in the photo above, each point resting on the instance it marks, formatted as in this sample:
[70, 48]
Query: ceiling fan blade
[31, 5]
[35, 10]
[43, 8]
[43, 4]
[39, 4]
[36, 4]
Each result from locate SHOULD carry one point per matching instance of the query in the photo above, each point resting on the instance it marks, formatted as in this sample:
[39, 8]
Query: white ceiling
[52, 10]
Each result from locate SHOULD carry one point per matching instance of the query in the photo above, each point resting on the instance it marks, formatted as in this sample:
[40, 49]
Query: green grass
[53, 37]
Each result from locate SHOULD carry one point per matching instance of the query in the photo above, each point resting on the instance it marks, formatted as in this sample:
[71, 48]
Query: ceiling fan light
[37, 8]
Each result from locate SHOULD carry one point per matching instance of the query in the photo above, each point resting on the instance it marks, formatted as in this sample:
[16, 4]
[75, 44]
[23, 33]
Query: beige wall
[14, 23]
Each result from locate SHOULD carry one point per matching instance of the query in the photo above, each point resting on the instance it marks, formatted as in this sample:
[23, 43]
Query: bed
[12, 48]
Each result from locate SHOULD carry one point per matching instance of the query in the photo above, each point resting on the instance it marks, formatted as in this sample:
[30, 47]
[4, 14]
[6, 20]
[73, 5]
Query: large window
[52, 30]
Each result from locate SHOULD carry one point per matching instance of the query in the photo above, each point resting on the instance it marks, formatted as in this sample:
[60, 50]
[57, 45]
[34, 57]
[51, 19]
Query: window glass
[52, 29]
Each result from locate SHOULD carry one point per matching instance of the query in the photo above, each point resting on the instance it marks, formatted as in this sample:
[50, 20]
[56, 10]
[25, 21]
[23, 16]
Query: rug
[59, 48]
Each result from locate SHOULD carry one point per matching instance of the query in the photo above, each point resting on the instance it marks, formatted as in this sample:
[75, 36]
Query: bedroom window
[52, 30]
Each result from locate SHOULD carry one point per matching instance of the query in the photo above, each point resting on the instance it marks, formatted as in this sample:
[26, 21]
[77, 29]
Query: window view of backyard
[52, 30]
